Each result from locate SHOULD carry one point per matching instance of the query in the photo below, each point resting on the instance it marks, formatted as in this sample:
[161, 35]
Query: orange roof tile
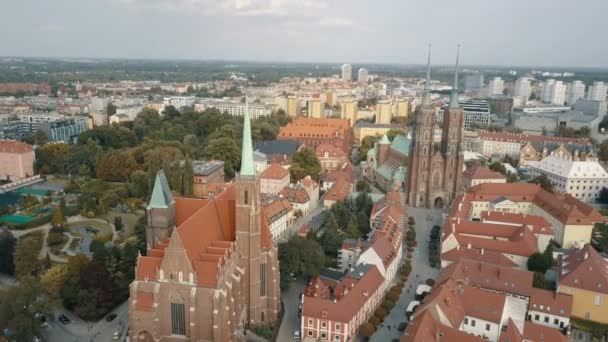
[147, 268]
[275, 171]
[14, 146]
[482, 172]
[584, 269]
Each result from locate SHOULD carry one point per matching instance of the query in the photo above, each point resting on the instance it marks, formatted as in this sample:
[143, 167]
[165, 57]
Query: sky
[492, 32]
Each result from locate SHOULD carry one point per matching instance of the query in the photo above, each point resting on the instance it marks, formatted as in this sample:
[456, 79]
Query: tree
[305, 163]
[51, 158]
[498, 167]
[26, 256]
[367, 144]
[539, 281]
[191, 145]
[58, 217]
[110, 109]
[54, 279]
[367, 329]
[7, 250]
[117, 167]
[362, 186]
[543, 181]
[331, 239]
[226, 149]
[392, 133]
[352, 229]
[538, 262]
[363, 223]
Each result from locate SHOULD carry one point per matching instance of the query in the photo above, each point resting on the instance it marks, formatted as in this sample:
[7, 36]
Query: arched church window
[178, 315]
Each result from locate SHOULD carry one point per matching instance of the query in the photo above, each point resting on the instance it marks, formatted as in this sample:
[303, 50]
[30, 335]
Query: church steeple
[426, 98]
[247, 165]
[454, 97]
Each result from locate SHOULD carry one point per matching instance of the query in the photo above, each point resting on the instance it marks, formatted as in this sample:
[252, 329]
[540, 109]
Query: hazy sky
[501, 32]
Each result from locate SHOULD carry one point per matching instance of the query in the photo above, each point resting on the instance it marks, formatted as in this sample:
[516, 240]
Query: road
[291, 320]
[314, 219]
[420, 267]
[81, 331]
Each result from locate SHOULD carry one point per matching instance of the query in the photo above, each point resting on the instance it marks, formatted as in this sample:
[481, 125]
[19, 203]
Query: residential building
[278, 213]
[347, 72]
[577, 151]
[348, 110]
[312, 189]
[366, 129]
[330, 98]
[473, 82]
[179, 101]
[274, 179]
[16, 160]
[333, 310]
[572, 220]
[435, 170]
[558, 93]
[299, 199]
[342, 186]
[349, 253]
[549, 123]
[383, 112]
[12, 130]
[582, 274]
[546, 89]
[331, 157]
[313, 132]
[64, 130]
[576, 91]
[476, 114]
[523, 87]
[581, 179]
[208, 176]
[316, 108]
[597, 91]
[478, 174]
[496, 86]
[293, 106]
[233, 107]
[591, 107]
[363, 75]
[475, 301]
[279, 151]
[402, 108]
[385, 162]
[211, 269]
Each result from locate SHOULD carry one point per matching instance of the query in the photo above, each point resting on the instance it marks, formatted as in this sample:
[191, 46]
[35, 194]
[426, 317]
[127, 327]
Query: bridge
[20, 184]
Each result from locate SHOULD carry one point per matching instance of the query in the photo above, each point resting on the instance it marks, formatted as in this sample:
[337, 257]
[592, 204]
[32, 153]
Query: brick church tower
[435, 169]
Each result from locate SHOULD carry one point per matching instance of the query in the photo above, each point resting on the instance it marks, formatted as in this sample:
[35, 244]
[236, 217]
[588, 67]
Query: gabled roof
[401, 143]
[275, 171]
[584, 269]
[161, 194]
[384, 140]
[482, 172]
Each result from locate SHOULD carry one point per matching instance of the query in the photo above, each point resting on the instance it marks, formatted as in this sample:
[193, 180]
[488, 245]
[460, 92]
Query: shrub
[375, 321]
[367, 329]
[430, 282]
[396, 289]
[263, 331]
[402, 326]
[411, 221]
[54, 239]
[392, 296]
[388, 304]
[380, 313]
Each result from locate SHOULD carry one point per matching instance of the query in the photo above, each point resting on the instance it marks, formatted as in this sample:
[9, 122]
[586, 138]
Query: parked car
[116, 335]
[110, 317]
[296, 335]
[63, 319]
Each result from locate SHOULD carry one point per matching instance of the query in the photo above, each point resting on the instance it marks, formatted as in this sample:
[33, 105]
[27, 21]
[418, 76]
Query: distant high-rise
[473, 82]
[383, 112]
[558, 93]
[546, 89]
[597, 91]
[347, 72]
[363, 75]
[348, 110]
[315, 108]
[293, 106]
[496, 86]
[402, 108]
[522, 87]
[576, 91]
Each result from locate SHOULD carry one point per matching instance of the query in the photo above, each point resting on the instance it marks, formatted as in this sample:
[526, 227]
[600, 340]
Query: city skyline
[277, 30]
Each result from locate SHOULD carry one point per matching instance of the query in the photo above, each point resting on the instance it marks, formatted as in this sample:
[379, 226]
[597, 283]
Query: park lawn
[103, 228]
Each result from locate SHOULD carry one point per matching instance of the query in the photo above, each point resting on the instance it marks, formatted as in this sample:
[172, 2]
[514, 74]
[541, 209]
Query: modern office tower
[347, 72]
[597, 91]
[383, 112]
[546, 89]
[348, 110]
[315, 108]
[402, 108]
[293, 106]
[363, 75]
[522, 87]
[496, 86]
[576, 90]
[558, 93]
[473, 82]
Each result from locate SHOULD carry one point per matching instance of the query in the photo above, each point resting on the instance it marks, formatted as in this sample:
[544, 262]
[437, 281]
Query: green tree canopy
[305, 163]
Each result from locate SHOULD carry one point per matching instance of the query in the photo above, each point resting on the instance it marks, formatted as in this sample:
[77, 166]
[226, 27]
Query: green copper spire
[454, 98]
[161, 194]
[426, 98]
[247, 165]
[384, 140]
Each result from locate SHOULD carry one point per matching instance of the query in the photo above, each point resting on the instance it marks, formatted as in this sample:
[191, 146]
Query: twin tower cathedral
[435, 169]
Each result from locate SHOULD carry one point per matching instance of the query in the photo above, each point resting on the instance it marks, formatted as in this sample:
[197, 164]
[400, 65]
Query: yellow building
[583, 274]
[383, 112]
[365, 129]
[316, 108]
[348, 110]
[330, 98]
[402, 108]
[293, 106]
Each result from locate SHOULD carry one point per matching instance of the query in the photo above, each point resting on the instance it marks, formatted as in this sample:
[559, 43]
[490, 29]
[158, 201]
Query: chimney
[482, 251]
[468, 245]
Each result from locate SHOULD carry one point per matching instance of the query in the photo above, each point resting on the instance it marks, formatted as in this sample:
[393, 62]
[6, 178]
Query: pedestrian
[389, 327]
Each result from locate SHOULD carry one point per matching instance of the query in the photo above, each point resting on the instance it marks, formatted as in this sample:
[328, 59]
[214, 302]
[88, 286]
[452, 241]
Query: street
[420, 267]
[291, 320]
[314, 219]
[80, 331]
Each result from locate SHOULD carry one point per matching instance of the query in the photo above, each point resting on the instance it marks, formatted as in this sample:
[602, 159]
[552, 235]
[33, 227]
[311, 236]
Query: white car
[116, 335]
[296, 335]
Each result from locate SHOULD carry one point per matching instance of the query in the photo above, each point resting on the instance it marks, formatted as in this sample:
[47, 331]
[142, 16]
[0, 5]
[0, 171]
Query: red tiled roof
[539, 333]
[147, 268]
[539, 224]
[427, 328]
[524, 138]
[14, 146]
[275, 171]
[559, 304]
[584, 269]
[276, 209]
[323, 128]
[295, 194]
[482, 172]
[331, 150]
[339, 191]
[144, 301]
[489, 257]
[514, 240]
